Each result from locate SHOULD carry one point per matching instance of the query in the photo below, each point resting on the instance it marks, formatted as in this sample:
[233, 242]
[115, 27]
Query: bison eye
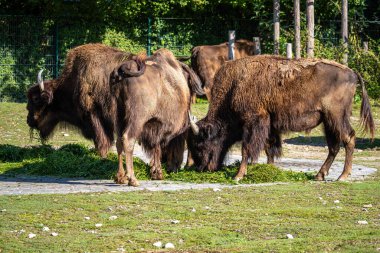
[36, 100]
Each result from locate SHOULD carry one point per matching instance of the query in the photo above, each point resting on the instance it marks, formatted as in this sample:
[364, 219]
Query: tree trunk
[276, 23]
[297, 27]
[310, 27]
[345, 31]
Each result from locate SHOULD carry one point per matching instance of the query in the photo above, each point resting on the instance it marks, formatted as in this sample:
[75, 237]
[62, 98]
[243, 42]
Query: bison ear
[47, 96]
[209, 131]
[47, 92]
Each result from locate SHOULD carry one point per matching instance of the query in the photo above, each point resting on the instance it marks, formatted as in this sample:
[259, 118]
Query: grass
[242, 219]
[253, 219]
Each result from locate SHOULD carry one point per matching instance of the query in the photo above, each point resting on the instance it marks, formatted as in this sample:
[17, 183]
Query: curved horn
[193, 126]
[40, 81]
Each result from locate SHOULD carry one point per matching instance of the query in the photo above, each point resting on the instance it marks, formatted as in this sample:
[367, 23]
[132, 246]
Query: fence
[28, 43]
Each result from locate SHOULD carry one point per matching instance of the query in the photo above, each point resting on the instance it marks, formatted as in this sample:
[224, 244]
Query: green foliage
[74, 160]
[367, 64]
[42, 41]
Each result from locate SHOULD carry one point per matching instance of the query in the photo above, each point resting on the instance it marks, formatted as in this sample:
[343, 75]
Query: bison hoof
[320, 177]
[133, 182]
[238, 178]
[157, 176]
[342, 178]
[121, 180]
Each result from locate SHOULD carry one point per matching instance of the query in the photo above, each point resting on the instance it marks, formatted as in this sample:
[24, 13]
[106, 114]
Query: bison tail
[195, 83]
[366, 119]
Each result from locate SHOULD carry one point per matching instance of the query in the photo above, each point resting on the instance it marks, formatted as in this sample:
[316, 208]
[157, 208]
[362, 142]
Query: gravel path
[47, 185]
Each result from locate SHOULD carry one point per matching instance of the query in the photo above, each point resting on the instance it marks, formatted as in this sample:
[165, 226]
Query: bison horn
[39, 80]
[193, 126]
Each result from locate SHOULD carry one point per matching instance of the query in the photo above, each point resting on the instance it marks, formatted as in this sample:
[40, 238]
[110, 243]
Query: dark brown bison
[79, 96]
[207, 60]
[153, 101]
[258, 98]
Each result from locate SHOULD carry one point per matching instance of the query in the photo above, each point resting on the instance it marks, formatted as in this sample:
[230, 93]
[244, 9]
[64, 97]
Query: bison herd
[106, 92]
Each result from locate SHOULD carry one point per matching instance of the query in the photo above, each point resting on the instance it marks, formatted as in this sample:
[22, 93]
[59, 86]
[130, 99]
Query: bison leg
[156, 170]
[273, 148]
[349, 145]
[255, 136]
[190, 161]
[120, 176]
[193, 98]
[208, 93]
[243, 166]
[128, 145]
[333, 145]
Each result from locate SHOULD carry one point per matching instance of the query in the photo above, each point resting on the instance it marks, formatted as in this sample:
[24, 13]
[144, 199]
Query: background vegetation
[38, 33]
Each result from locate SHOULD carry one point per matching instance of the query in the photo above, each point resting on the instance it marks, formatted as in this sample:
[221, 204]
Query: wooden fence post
[297, 29]
[365, 46]
[276, 24]
[256, 40]
[231, 44]
[310, 27]
[345, 30]
[289, 53]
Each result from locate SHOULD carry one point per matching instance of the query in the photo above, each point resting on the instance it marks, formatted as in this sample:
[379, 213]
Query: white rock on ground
[363, 222]
[98, 225]
[157, 244]
[169, 245]
[174, 221]
[113, 217]
[54, 234]
[367, 206]
[31, 235]
[289, 236]
[45, 229]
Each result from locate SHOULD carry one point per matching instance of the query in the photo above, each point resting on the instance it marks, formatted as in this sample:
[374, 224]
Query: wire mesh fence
[29, 43]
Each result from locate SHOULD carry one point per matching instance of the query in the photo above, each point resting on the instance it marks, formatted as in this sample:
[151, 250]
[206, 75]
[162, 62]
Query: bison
[207, 60]
[153, 101]
[80, 96]
[258, 98]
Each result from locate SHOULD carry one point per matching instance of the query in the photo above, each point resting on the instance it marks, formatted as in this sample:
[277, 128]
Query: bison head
[40, 97]
[207, 144]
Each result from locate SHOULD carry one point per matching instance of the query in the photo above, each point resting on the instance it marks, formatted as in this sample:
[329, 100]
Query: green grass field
[322, 217]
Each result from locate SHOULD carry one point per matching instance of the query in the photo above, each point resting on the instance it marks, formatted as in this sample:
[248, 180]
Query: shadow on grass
[320, 141]
[77, 161]
[71, 161]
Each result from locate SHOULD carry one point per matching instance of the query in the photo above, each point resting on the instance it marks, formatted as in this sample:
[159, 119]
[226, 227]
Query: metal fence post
[148, 48]
[231, 44]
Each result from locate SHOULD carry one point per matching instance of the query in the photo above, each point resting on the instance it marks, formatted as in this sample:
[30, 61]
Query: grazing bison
[79, 96]
[207, 60]
[153, 101]
[258, 98]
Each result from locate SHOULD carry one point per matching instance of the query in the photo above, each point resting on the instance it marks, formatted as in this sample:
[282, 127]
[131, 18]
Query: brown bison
[80, 96]
[207, 60]
[153, 101]
[258, 98]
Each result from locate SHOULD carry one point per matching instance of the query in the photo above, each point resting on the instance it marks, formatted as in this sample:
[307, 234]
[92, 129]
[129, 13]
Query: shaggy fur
[258, 98]
[207, 60]
[152, 109]
[79, 96]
